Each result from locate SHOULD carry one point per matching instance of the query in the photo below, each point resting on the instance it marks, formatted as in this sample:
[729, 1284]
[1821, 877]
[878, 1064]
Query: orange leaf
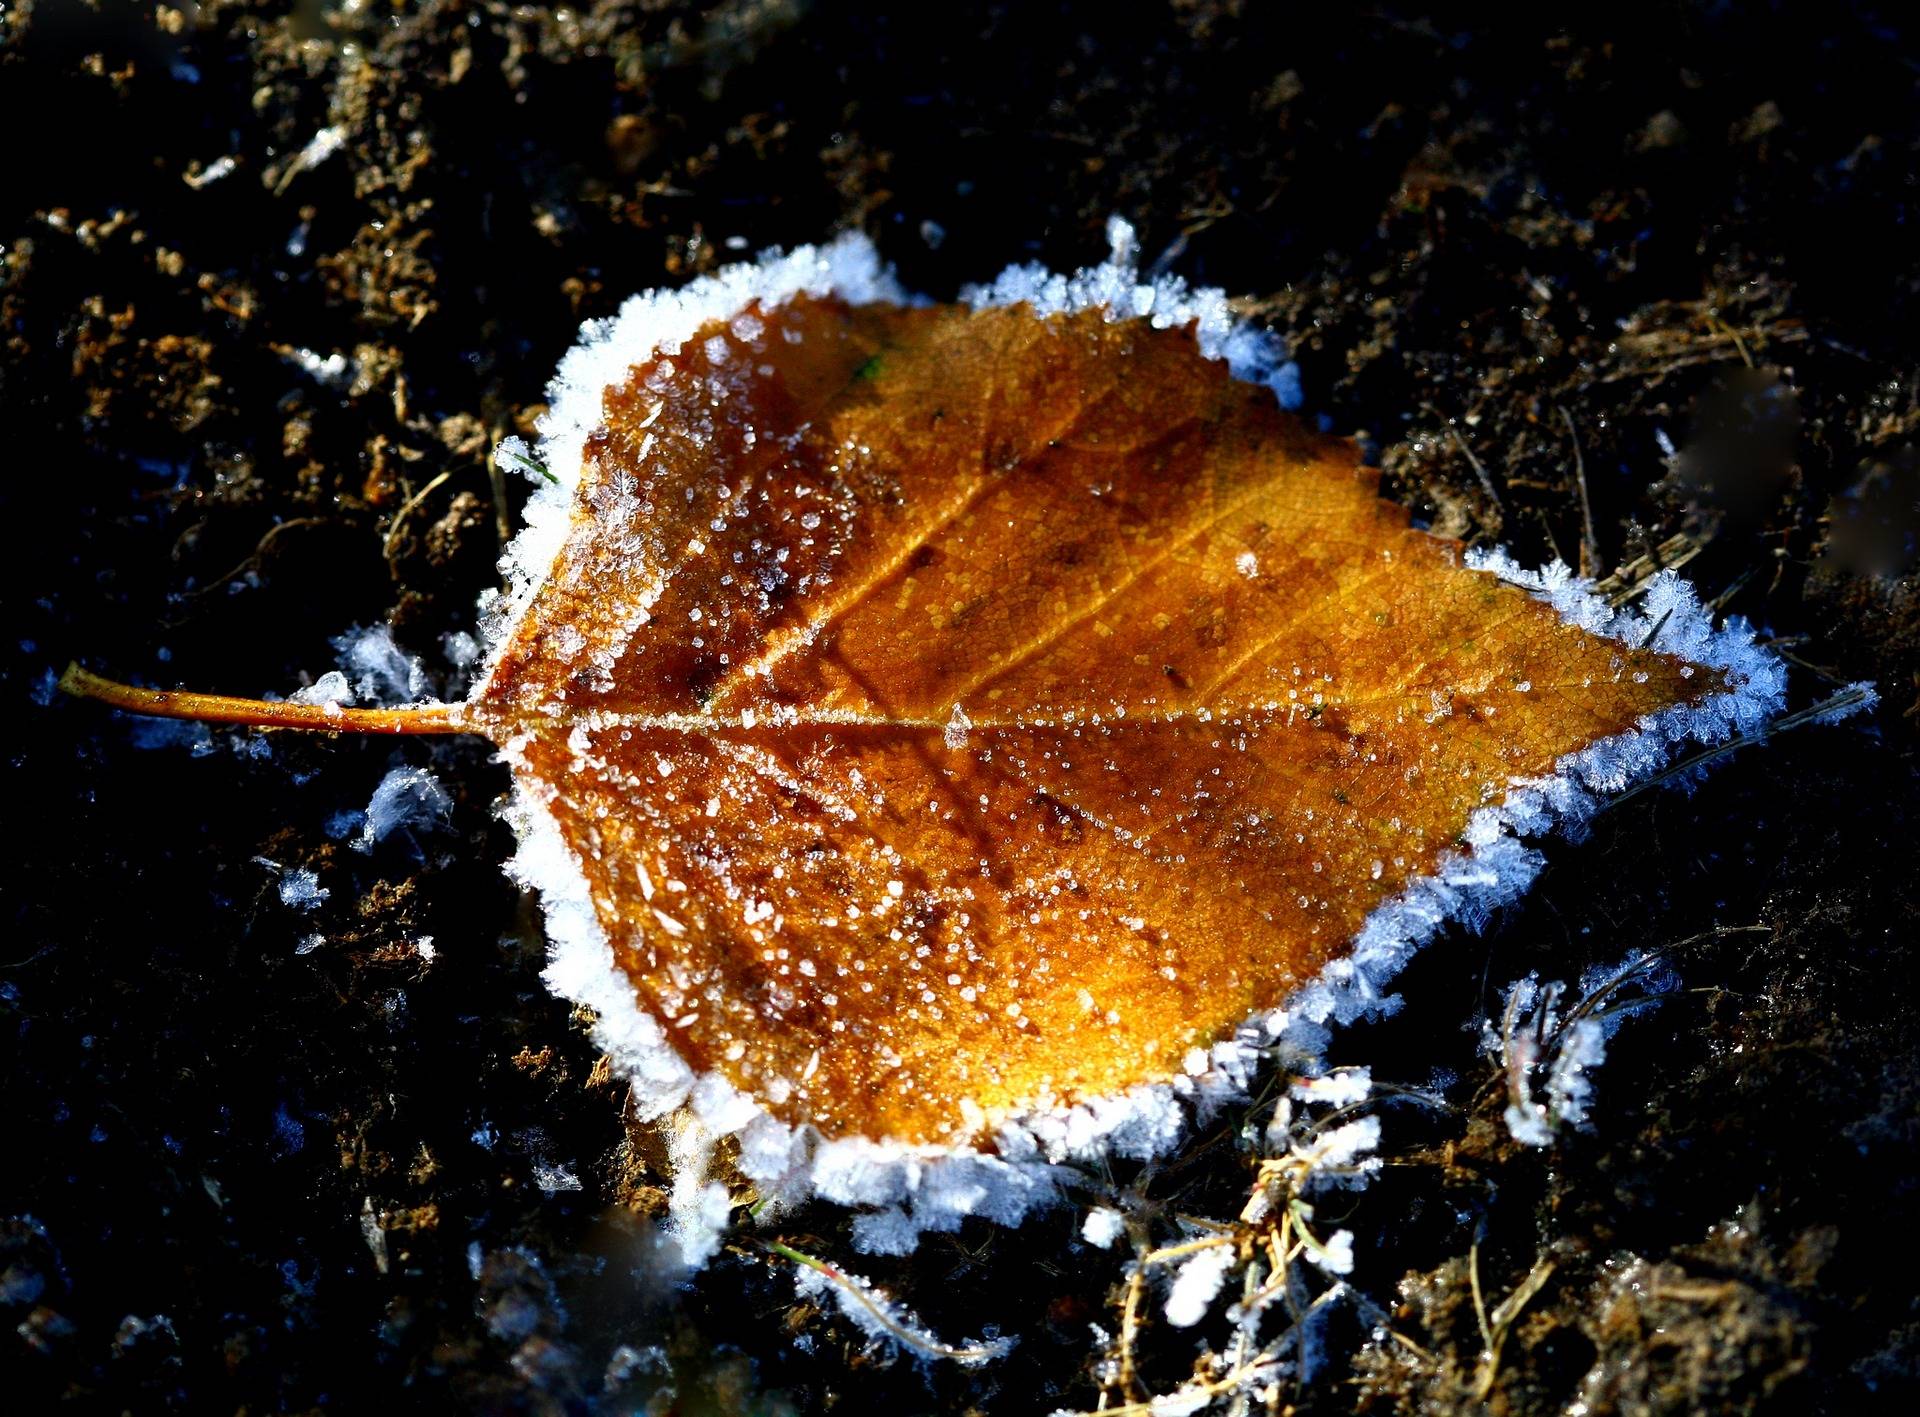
[949, 735]
[958, 714]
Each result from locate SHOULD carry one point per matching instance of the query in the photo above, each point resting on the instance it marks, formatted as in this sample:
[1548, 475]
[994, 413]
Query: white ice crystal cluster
[904, 1190]
[300, 889]
[1550, 1041]
[1102, 1227]
[406, 797]
[1195, 1284]
[1269, 1283]
[1166, 303]
[379, 670]
[373, 670]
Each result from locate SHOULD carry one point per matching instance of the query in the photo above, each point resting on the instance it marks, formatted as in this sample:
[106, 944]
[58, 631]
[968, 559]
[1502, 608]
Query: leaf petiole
[264, 713]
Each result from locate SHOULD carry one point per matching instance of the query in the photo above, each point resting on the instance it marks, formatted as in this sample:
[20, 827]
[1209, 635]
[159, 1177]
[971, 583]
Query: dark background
[242, 1177]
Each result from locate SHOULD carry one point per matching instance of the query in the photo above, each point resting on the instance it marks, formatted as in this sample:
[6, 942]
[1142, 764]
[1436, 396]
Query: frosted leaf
[930, 952]
[853, 617]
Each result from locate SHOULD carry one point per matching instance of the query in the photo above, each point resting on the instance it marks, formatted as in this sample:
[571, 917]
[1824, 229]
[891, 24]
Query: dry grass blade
[1494, 1327]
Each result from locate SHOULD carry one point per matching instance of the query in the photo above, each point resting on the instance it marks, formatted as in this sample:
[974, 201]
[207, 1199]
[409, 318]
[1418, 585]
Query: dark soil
[1670, 247]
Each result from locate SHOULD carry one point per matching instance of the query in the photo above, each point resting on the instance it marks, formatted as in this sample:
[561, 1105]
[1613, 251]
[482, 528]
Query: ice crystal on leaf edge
[904, 1190]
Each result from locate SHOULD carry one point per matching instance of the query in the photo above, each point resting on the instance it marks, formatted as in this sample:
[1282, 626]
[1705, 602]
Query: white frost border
[903, 1189]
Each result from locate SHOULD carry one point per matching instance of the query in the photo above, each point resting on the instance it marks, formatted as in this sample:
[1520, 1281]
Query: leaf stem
[264, 713]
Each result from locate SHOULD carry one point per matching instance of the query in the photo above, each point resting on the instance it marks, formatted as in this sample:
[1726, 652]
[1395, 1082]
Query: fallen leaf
[955, 714]
[958, 713]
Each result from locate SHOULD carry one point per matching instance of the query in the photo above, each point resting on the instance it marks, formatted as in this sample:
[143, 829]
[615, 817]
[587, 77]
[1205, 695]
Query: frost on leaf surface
[959, 713]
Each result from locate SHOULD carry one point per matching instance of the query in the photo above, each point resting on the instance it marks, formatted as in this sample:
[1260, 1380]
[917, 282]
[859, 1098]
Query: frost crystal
[889, 1327]
[300, 889]
[330, 688]
[554, 1179]
[406, 797]
[1102, 1227]
[381, 672]
[1336, 1089]
[1861, 696]
[1550, 1057]
[1195, 1283]
[1337, 1156]
[333, 370]
[1336, 1255]
[323, 145]
[956, 731]
[462, 650]
[697, 1209]
[157, 733]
